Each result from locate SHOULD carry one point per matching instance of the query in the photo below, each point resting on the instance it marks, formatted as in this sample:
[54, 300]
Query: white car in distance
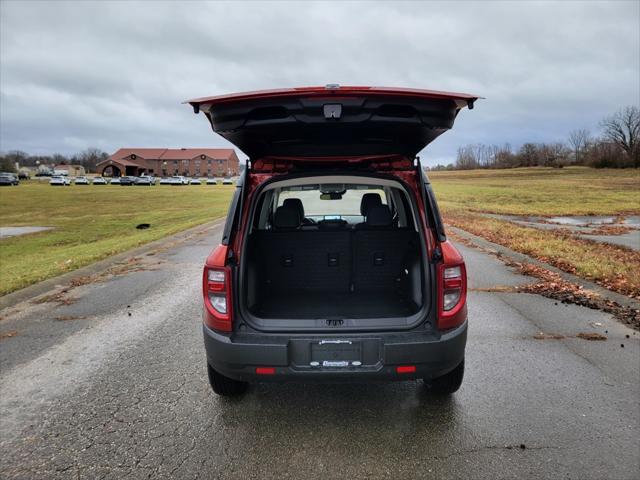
[59, 180]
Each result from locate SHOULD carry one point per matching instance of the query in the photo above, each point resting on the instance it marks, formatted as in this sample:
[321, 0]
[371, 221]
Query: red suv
[334, 264]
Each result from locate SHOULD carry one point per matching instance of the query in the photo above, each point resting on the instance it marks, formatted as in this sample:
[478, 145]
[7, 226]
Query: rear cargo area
[334, 274]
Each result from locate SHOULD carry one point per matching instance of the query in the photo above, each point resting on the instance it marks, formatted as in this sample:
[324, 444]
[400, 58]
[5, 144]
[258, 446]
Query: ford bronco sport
[334, 264]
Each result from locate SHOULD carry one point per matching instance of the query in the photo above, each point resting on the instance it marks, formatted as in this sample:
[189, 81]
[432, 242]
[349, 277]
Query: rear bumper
[237, 356]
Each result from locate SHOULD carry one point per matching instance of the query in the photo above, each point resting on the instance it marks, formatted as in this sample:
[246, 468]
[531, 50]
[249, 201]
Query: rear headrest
[369, 200]
[379, 216]
[287, 217]
[295, 203]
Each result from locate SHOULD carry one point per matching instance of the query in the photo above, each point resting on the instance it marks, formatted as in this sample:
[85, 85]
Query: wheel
[225, 386]
[446, 384]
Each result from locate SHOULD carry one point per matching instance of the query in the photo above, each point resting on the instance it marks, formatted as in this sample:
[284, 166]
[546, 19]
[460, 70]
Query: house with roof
[190, 162]
[69, 170]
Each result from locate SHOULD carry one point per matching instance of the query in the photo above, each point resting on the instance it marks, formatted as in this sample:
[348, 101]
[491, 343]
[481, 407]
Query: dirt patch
[592, 336]
[9, 334]
[548, 336]
[66, 318]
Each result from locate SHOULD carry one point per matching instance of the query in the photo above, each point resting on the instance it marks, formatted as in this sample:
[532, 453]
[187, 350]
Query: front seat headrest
[294, 203]
[369, 200]
[287, 218]
[379, 216]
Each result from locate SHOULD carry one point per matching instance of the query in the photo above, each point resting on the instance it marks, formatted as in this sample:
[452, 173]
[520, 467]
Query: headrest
[286, 217]
[379, 216]
[369, 200]
[295, 203]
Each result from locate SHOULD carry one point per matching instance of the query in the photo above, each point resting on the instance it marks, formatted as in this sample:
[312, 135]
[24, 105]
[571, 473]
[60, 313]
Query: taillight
[452, 289]
[217, 298]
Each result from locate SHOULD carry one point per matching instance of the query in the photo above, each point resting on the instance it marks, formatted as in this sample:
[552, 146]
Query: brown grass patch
[615, 268]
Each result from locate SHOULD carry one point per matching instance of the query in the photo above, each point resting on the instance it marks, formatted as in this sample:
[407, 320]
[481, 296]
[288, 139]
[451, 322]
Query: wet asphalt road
[113, 385]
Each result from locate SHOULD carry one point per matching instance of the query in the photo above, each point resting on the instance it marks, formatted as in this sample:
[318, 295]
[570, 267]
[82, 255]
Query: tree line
[616, 145]
[87, 158]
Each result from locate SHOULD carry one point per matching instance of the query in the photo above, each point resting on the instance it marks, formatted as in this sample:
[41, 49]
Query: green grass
[539, 191]
[463, 195]
[93, 222]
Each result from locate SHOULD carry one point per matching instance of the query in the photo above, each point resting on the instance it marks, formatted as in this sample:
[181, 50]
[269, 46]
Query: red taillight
[265, 371]
[452, 289]
[217, 298]
[406, 369]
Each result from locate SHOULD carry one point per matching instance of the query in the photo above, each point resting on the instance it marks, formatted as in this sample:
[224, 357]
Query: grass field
[462, 195]
[93, 222]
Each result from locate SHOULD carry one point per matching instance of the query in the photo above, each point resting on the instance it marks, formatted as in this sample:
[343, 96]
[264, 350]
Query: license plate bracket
[336, 353]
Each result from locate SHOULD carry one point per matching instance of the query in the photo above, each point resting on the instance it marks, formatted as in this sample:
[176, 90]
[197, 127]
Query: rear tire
[446, 384]
[225, 386]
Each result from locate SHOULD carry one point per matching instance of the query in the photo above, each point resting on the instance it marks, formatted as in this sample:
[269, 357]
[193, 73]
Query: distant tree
[59, 159]
[623, 129]
[7, 164]
[90, 157]
[529, 155]
[579, 141]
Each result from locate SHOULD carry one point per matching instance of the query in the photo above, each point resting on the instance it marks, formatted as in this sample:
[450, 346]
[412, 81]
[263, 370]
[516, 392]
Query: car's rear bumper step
[237, 356]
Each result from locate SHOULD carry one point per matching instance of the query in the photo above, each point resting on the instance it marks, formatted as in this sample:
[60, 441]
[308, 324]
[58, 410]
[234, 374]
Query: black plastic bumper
[238, 355]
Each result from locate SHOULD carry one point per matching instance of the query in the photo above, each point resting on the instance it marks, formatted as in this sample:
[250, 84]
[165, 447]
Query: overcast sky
[81, 74]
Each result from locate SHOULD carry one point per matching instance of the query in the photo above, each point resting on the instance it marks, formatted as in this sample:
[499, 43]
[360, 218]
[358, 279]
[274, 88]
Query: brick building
[190, 162]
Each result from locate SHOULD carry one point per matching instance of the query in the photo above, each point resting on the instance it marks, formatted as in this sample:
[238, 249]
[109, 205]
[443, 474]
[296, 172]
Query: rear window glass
[332, 202]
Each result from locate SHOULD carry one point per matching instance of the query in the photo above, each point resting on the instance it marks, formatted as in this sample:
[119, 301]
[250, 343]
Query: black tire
[446, 384]
[225, 386]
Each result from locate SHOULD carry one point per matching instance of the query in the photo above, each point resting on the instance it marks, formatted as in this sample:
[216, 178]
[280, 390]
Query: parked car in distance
[227, 181]
[8, 178]
[212, 181]
[59, 180]
[179, 180]
[165, 181]
[145, 180]
[115, 181]
[338, 270]
[194, 181]
[81, 181]
[99, 181]
[128, 181]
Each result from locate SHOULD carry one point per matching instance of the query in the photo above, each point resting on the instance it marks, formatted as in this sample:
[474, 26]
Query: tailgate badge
[332, 110]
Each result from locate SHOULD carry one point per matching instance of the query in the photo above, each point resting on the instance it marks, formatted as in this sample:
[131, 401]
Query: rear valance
[330, 121]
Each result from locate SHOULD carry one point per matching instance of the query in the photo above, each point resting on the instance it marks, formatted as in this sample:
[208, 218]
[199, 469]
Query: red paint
[324, 92]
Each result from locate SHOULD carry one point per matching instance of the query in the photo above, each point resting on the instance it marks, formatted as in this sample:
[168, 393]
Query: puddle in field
[6, 232]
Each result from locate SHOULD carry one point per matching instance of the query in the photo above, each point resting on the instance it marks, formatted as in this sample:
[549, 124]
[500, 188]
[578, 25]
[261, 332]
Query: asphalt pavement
[108, 380]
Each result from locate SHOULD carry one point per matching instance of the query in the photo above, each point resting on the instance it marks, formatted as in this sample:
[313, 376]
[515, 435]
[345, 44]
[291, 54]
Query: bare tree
[623, 129]
[579, 140]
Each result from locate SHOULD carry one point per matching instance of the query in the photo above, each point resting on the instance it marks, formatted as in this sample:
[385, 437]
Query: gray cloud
[81, 74]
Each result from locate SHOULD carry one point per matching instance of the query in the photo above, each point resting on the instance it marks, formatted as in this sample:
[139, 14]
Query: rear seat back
[371, 257]
[304, 260]
[380, 257]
